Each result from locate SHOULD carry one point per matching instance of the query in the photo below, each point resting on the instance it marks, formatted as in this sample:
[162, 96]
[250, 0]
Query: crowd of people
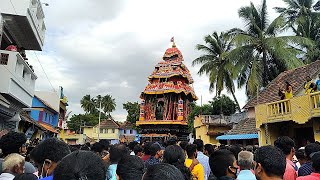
[53, 159]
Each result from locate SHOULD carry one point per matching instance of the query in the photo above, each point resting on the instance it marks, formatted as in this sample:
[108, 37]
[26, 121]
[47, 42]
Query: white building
[21, 23]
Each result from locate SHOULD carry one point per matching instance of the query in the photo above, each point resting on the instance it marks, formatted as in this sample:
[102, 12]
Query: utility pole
[99, 121]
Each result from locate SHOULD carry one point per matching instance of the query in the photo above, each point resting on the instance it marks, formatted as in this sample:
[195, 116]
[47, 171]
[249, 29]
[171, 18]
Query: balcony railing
[218, 120]
[298, 109]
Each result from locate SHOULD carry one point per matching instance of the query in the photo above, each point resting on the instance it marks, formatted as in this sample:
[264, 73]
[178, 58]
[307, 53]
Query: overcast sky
[110, 47]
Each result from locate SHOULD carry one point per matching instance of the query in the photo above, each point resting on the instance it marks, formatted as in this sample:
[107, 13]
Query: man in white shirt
[203, 159]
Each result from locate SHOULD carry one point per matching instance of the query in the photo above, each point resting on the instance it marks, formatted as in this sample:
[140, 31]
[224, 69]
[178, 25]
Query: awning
[49, 128]
[237, 136]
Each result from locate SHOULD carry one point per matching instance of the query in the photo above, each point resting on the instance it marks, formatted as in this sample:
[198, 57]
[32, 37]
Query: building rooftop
[245, 126]
[296, 77]
[108, 124]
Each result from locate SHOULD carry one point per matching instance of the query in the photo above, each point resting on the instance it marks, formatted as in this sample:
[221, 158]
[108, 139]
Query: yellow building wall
[202, 131]
[92, 132]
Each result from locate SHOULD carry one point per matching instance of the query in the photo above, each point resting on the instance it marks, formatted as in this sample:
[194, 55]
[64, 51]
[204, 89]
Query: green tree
[215, 64]
[260, 55]
[82, 120]
[206, 109]
[301, 17]
[133, 110]
[108, 104]
[223, 105]
[88, 104]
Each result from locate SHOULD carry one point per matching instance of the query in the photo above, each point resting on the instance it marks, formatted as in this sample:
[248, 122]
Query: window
[113, 130]
[131, 131]
[24, 73]
[4, 59]
[101, 131]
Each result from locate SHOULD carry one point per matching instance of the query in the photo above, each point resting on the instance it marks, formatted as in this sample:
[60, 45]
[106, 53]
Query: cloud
[110, 47]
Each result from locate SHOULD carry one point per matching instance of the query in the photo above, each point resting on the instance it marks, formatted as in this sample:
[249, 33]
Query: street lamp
[99, 121]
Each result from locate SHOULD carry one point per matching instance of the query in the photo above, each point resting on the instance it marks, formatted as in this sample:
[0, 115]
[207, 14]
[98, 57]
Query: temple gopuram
[165, 102]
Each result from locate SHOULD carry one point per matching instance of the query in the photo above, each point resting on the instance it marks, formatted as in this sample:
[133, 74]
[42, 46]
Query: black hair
[220, 161]
[199, 144]
[105, 143]
[146, 148]
[284, 143]
[154, 148]
[12, 142]
[137, 148]
[272, 160]
[316, 162]
[172, 141]
[235, 149]
[52, 149]
[97, 147]
[132, 145]
[117, 151]
[80, 165]
[300, 154]
[311, 148]
[174, 155]
[163, 171]
[191, 149]
[26, 176]
[183, 144]
[130, 167]
[209, 148]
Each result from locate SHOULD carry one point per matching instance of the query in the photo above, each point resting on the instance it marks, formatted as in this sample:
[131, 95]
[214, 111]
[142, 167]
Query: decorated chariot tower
[165, 101]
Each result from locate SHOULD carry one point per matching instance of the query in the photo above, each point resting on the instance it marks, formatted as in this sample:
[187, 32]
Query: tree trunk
[235, 99]
[265, 73]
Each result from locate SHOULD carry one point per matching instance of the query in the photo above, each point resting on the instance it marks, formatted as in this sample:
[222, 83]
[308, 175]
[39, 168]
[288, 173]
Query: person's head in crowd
[12, 142]
[132, 145]
[138, 150]
[223, 163]
[235, 149]
[286, 145]
[208, 149]
[199, 144]
[174, 155]
[316, 162]
[301, 156]
[86, 147]
[48, 154]
[26, 176]
[13, 164]
[249, 148]
[245, 160]
[146, 148]
[73, 148]
[270, 162]
[183, 144]
[172, 141]
[117, 151]
[191, 150]
[130, 167]
[105, 143]
[99, 149]
[155, 151]
[311, 148]
[80, 165]
[163, 171]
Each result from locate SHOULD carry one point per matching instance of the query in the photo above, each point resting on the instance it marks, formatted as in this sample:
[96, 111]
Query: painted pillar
[141, 118]
[180, 110]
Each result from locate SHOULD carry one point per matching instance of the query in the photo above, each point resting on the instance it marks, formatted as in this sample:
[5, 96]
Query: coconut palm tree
[260, 55]
[108, 104]
[301, 17]
[215, 64]
[88, 104]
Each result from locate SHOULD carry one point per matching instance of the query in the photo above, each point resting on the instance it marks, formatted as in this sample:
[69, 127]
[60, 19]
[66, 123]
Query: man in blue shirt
[318, 83]
[117, 151]
[156, 154]
[203, 159]
[47, 155]
[306, 168]
[245, 161]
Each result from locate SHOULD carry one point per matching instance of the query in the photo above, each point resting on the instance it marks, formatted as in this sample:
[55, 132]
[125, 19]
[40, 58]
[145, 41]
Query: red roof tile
[245, 126]
[296, 77]
[109, 124]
